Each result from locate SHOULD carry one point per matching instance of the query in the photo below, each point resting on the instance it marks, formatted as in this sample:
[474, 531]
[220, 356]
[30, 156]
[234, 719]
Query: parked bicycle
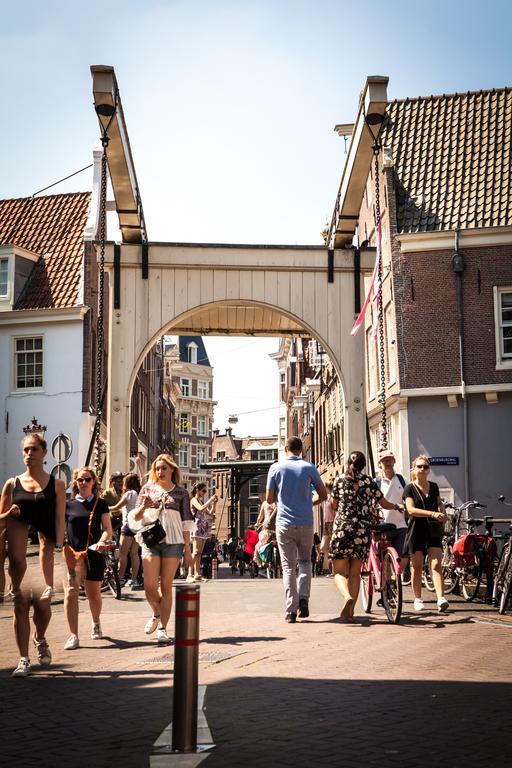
[382, 574]
[111, 579]
[502, 591]
[465, 553]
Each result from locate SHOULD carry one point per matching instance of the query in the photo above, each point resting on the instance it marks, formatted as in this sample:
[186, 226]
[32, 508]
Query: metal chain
[100, 337]
[380, 309]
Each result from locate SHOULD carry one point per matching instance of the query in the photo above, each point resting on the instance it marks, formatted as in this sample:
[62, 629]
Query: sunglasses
[84, 479]
[422, 466]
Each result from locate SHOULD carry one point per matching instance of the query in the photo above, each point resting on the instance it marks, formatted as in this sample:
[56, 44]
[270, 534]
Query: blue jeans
[295, 543]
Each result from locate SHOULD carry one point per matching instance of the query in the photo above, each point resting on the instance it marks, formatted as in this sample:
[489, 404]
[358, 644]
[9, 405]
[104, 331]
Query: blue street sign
[451, 461]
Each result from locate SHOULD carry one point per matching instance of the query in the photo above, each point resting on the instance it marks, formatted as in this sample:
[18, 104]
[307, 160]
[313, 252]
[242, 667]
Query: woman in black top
[33, 498]
[425, 530]
[87, 523]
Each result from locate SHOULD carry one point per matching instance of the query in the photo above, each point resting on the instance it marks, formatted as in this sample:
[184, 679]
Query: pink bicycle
[382, 574]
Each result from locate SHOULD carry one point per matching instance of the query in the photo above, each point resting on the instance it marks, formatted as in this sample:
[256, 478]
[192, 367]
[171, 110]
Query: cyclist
[392, 486]
[425, 530]
[264, 525]
[251, 539]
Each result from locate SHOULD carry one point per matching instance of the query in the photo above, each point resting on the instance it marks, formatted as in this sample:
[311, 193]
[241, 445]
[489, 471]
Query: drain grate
[209, 657]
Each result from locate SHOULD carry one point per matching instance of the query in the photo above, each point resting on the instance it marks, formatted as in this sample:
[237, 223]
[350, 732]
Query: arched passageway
[232, 290]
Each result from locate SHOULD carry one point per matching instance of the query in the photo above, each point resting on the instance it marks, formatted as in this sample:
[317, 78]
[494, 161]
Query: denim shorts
[163, 550]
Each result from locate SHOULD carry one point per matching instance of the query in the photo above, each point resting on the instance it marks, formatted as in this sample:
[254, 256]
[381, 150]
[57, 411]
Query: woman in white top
[127, 543]
[162, 498]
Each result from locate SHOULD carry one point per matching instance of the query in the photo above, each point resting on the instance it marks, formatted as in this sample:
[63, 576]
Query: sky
[230, 107]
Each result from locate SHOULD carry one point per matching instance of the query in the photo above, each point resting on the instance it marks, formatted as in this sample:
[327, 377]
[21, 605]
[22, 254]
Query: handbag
[74, 556]
[154, 534]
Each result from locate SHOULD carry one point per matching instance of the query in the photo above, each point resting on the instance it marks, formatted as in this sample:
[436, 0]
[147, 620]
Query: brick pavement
[436, 688]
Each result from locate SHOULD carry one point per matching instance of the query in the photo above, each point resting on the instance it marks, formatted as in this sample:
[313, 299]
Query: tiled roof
[452, 159]
[53, 228]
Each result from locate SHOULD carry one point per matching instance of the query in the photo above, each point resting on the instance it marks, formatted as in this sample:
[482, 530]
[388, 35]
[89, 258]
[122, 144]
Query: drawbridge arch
[230, 290]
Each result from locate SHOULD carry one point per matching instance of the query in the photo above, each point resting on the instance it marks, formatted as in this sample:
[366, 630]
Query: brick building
[48, 332]
[192, 379]
[229, 450]
[446, 207]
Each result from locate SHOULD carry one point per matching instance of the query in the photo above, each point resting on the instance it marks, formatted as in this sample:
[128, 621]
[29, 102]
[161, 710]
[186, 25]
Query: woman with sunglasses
[164, 499]
[88, 525]
[33, 498]
[425, 530]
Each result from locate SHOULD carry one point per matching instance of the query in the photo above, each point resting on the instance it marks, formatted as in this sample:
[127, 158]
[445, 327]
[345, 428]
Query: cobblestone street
[436, 688]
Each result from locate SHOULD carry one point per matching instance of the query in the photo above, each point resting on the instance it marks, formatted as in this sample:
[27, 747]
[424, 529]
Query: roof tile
[52, 227]
[453, 154]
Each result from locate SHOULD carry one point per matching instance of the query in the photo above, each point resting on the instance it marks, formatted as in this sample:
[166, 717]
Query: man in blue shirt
[291, 483]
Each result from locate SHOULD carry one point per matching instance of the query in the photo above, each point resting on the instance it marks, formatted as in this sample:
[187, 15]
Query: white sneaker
[162, 637]
[72, 643]
[44, 654]
[418, 604]
[96, 633]
[190, 579]
[23, 668]
[442, 604]
[151, 625]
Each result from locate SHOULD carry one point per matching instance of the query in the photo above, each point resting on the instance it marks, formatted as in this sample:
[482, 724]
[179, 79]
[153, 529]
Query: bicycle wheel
[428, 581]
[112, 577]
[392, 592]
[470, 578]
[506, 592]
[499, 577]
[450, 576]
[367, 590]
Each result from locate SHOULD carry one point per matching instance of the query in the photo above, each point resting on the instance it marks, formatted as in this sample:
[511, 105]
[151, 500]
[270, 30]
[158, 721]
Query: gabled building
[445, 193]
[48, 334]
[192, 378]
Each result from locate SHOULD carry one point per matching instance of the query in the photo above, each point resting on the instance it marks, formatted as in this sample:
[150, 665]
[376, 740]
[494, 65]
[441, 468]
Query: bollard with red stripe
[186, 661]
[215, 566]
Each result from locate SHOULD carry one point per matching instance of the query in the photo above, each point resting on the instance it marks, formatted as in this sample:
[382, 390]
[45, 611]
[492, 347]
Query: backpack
[401, 480]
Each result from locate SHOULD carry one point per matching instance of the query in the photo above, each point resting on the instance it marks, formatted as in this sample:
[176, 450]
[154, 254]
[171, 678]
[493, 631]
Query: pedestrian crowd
[164, 531]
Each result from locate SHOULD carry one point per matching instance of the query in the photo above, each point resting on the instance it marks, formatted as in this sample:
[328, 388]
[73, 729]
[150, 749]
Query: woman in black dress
[87, 523]
[356, 499]
[38, 499]
[425, 530]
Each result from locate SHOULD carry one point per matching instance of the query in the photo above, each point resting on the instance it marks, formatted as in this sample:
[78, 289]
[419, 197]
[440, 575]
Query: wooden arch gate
[234, 290]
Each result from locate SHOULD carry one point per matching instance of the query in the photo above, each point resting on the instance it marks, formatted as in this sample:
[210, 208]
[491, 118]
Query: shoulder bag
[155, 533]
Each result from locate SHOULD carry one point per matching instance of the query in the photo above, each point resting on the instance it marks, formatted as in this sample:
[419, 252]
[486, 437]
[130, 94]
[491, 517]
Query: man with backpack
[392, 485]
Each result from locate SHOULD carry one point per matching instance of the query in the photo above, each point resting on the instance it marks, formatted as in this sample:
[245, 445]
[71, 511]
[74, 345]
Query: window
[4, 277]
[184, 424]
[192, 352]
[202, 426]
[202, 454]
[254, 511]
[183, 456]
[263, 455]
[254, 487]
[371, 360]
[28, 362]
[503, 326]
[185, 387]
[390, 345]
[202, 390]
